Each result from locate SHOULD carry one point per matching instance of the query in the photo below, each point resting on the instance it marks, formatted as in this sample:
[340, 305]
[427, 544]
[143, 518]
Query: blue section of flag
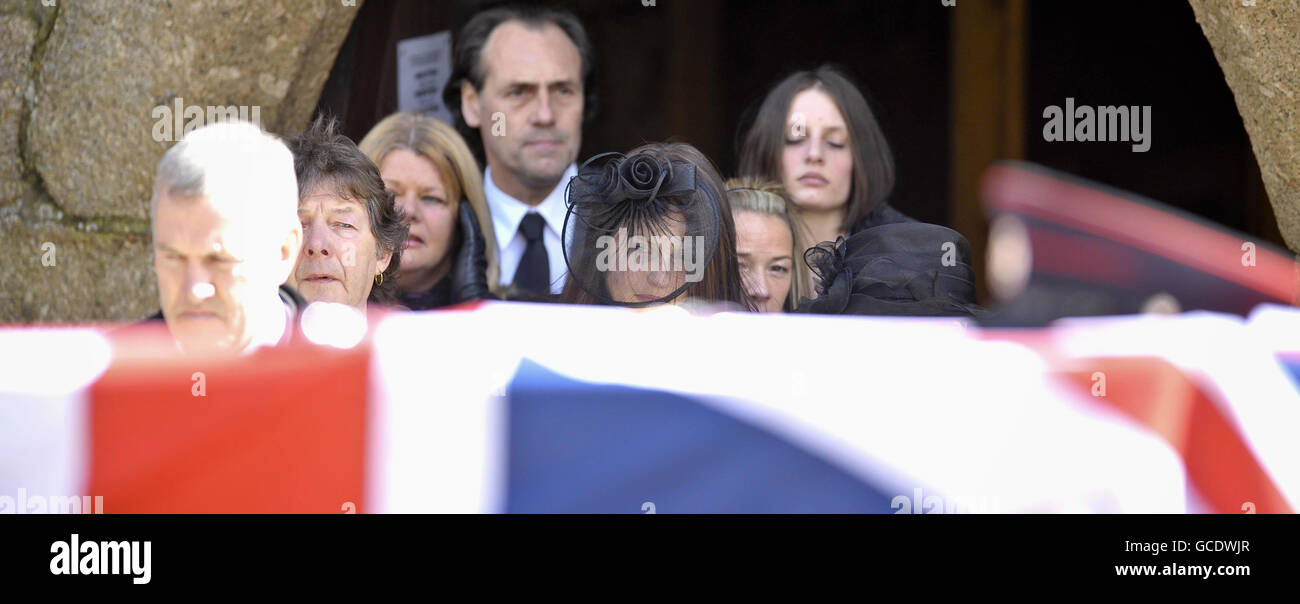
[590, 448]
[1292, 365]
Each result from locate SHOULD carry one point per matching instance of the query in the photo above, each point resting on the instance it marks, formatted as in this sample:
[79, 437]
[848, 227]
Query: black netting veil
[641, 228]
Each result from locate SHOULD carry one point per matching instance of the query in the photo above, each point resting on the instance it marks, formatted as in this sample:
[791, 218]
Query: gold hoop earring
[379, 279]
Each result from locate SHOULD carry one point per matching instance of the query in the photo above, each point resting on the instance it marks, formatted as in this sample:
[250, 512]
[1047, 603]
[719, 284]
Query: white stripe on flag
[435, 439]
[44, 376]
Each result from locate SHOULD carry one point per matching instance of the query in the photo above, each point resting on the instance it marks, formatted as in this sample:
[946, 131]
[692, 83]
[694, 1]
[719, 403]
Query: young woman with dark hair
[816, 134]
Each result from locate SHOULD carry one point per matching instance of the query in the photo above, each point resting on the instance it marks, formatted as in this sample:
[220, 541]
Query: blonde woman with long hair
[770, 240]
[448, 257]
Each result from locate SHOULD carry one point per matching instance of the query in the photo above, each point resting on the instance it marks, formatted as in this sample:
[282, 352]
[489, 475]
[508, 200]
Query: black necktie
[534, 272]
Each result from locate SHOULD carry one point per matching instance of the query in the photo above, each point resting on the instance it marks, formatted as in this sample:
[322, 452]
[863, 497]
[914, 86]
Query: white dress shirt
[508, 212]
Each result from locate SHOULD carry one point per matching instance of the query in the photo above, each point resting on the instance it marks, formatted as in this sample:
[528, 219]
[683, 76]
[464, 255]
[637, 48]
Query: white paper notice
[423, 67]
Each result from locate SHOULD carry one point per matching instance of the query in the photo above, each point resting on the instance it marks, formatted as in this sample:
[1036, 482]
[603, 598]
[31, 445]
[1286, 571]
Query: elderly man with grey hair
[226, 237]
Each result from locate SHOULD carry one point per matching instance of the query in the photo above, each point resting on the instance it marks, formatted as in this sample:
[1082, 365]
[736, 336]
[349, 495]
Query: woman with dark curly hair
[352, 230]
[651, 227]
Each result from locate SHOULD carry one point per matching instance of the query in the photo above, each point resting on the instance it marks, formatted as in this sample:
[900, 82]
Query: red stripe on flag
[282, 430]
[1159, 396]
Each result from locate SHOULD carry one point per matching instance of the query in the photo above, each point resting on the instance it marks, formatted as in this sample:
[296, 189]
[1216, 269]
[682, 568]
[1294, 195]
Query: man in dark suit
[522, 87]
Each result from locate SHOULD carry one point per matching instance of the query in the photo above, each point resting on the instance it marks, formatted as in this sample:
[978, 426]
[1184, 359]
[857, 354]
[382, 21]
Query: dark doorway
[1118, 52]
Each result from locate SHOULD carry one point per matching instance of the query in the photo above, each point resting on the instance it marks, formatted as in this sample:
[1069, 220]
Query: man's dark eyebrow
[347, 206]
[535, 85]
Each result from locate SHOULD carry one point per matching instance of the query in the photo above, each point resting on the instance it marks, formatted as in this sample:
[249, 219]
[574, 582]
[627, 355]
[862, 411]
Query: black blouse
[437, 296]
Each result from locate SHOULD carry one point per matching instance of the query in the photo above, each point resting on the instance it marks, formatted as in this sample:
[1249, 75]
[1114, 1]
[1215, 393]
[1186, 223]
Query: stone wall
[80, 81]
[1257, 44]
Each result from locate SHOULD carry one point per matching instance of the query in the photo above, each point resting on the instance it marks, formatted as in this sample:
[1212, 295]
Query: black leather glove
[469, 269]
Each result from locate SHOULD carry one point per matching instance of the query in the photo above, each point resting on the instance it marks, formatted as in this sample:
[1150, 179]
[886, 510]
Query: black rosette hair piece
[640, 228]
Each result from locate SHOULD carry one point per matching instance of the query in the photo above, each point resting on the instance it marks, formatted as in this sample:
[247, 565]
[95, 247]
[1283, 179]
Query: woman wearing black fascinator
[650, 227]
